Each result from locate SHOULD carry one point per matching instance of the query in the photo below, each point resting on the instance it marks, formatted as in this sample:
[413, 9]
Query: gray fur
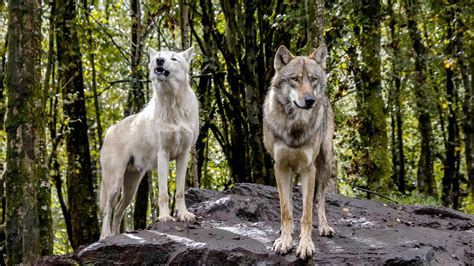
[298, 136]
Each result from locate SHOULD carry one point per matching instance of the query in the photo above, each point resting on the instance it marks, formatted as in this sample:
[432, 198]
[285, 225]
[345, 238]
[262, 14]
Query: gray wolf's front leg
[182, 213]
[163, 198]
[283, 177]
[306, 247]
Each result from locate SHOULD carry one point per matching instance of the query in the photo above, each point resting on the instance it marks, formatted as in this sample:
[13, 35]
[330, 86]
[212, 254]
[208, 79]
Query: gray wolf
[298, 128]
[164, 130]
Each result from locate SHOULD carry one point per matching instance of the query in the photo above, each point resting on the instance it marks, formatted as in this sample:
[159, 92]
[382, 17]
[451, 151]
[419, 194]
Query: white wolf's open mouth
[161, 71]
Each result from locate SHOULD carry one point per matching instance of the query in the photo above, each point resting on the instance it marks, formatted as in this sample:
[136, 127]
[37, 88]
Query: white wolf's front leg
[163, 198]
[182, 212]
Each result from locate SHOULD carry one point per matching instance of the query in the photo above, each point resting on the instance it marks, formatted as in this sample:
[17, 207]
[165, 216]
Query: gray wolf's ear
[152, 52]
[188, 54]
[320, 55]
[282, 58]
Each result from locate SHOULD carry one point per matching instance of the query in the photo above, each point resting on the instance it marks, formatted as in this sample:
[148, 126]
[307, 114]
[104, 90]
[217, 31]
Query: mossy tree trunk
[80, 188]
[451, 178]
[136, 103]
[28, 213]
[425, 177]
[396, 101]
[374, 164]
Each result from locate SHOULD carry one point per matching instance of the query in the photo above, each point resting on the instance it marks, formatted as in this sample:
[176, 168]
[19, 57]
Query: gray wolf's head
[300, 80]
[167, 66]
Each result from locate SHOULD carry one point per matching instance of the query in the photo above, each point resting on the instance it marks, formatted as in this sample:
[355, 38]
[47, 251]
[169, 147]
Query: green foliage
[110, 43]
[417, 198]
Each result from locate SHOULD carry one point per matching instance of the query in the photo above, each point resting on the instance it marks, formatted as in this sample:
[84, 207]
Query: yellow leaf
[447, 64]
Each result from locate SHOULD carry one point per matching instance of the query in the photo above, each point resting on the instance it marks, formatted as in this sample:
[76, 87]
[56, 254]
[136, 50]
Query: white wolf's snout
[160, 69]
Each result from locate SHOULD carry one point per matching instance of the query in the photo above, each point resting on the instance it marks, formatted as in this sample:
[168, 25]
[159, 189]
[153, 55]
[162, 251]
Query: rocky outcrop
[239, 226]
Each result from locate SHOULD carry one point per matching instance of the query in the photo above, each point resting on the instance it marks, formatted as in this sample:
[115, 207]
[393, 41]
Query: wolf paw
[283, 244]
[185, 216]
[305, 248]
[166, 218]
[326, 230]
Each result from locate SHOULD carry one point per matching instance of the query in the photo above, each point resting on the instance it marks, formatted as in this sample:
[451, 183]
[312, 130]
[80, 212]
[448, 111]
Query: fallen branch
[376, 193]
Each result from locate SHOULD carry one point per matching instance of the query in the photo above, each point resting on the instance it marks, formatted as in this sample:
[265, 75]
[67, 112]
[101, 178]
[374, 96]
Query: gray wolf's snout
[160, 61]
[309, 100]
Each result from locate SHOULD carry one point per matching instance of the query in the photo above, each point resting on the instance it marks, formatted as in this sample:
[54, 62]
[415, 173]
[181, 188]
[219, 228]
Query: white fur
[164, 130]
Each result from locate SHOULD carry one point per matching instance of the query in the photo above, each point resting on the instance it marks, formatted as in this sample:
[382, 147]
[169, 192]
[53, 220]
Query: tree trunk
[185, 43]
[398, 155]
[375, 164]
[81, 195]
[26, 176]
[137, 103]
[425, 177]
[3, 59]
[467, 73]
[94, 74]
[204, 91]
[451, 180]
[253, 96]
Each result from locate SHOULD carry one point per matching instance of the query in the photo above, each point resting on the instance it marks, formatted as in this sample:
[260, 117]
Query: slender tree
[80, 180]
[398, 154]
[28, 212]
[425, 178]
[374, 163]
[466, 63]
[451, 182]
[136, 103]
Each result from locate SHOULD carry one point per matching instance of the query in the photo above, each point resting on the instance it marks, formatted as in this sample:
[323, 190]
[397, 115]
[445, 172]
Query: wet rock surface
[239, 226]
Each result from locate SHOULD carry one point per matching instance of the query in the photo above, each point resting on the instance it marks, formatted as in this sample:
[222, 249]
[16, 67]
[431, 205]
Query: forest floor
[239, 226]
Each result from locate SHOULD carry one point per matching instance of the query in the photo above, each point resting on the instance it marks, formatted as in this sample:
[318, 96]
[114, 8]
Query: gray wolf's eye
[295, 78]
[174, 59]
[313, 79]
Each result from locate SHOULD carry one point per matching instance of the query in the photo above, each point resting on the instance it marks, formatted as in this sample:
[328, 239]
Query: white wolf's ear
[320, 55]
[152, 52]
[282, 58]
[188, 54]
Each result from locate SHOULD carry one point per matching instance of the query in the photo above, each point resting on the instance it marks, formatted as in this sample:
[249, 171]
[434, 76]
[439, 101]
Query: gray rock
[239, 226]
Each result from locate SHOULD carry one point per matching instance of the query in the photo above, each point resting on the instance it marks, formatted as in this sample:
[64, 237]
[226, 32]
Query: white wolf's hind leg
[130, 185]
[112, 191]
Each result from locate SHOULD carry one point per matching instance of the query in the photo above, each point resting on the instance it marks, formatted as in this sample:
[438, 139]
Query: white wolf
[165, 130]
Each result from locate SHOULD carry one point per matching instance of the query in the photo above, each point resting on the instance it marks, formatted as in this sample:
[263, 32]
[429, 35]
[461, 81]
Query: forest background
[399, 79]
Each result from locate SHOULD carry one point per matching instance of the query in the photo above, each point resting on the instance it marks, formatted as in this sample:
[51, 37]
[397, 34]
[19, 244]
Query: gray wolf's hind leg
[323, 168]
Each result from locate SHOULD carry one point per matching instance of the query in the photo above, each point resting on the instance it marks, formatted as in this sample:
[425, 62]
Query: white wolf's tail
[103, 195]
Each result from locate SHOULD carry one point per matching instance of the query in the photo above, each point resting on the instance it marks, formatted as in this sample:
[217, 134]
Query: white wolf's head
[167, 66]
[300, 81]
